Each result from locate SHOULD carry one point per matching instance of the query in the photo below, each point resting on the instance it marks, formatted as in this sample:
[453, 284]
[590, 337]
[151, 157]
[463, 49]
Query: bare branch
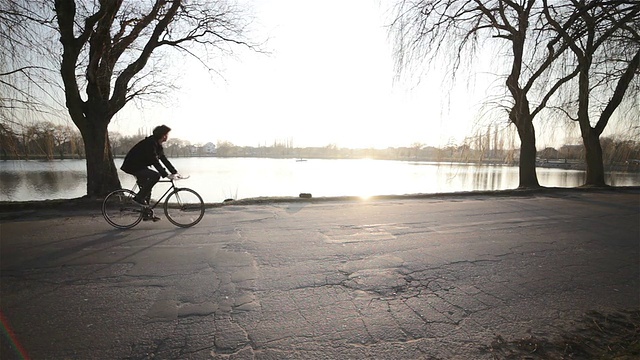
[618, 95]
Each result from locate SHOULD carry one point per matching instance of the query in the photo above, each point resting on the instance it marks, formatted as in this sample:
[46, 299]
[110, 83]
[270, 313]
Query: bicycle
[183, 206]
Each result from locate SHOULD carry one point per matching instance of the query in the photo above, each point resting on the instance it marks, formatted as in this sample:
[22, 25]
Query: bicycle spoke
[120, 211]
[184, 207]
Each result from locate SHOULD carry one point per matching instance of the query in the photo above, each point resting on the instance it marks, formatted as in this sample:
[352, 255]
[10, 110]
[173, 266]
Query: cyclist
[145, 153]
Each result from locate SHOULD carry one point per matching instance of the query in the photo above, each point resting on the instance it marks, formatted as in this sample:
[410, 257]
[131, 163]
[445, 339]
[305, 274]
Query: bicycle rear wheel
[184, 207]
[120, 211]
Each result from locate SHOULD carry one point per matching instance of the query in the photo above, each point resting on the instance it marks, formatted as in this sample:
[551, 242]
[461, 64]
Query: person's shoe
[139, 201]
[151, 218]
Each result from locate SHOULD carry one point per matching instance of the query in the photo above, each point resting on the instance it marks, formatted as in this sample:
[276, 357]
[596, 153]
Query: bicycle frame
[169, 190]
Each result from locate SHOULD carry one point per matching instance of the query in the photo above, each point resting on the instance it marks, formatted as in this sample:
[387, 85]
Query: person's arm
[168, 164]
[161, 170]
[166, 161]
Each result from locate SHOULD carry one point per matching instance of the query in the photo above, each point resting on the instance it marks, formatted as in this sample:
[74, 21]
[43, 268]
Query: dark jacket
[144, 154]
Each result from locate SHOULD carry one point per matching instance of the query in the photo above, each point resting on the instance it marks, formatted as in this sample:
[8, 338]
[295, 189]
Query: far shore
[631, 166]
[79, 206]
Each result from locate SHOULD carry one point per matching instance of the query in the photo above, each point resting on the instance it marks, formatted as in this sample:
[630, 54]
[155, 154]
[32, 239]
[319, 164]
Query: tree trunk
[593, 157]
[102, 174]
[521, 117]
[528, 176]
[520, 114]
[590, 136]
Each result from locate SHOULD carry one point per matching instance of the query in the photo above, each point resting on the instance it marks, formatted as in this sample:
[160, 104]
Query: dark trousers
[146, 179]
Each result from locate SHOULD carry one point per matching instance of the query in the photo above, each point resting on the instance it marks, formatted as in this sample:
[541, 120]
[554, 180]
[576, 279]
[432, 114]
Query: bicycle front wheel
[184, 207]
[120, 211]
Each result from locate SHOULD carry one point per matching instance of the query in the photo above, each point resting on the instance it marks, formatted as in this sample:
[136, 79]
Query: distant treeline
[49, 141]
[43, 140]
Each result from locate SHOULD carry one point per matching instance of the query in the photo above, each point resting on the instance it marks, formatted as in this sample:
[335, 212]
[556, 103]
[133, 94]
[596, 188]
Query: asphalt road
[404, 278]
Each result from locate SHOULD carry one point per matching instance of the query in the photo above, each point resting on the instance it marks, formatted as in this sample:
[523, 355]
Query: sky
[328, 79]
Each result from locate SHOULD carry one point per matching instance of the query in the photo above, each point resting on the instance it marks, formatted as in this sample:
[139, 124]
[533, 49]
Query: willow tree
[604, 42]
[454, 31]
[26, 68]
[107, 49]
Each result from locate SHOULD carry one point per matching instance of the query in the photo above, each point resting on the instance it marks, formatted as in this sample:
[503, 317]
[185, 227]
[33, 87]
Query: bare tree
[27, 69]
[108, 50]
[9, 142]
[46, 138]
[604, 39]
[62, 138]
[456, 29]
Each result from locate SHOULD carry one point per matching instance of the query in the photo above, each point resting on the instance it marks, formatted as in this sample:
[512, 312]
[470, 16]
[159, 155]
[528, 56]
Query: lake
[217, 179]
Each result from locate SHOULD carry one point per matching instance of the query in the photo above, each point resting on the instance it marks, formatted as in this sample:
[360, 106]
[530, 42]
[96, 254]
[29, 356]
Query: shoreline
[629, 166]
[84, 203]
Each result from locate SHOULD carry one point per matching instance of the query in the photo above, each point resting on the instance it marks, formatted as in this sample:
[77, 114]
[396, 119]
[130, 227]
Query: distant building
[210, 148]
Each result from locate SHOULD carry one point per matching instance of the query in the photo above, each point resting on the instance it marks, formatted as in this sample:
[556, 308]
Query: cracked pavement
[401, 278]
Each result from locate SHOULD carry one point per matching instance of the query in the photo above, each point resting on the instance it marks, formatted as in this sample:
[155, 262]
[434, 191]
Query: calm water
[217, 179]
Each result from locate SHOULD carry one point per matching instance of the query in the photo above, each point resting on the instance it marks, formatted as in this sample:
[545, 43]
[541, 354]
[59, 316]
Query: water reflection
[217, 179]
[486, 179]
[10, 183]
[561, 178]
[42, 185]
[465, 177]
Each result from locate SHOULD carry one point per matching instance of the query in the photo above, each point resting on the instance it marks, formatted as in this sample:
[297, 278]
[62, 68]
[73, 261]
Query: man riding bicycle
[145, 153]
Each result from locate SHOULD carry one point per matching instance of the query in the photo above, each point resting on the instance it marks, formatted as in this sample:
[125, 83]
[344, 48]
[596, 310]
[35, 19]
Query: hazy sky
[328, 80]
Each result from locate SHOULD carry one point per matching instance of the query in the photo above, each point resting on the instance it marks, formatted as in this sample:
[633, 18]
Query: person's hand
[175, 176]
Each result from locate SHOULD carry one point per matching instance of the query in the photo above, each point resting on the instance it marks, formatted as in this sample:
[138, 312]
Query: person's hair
[160, 131]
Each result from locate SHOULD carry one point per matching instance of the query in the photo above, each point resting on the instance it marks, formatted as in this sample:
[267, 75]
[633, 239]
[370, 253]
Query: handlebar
[174, 177]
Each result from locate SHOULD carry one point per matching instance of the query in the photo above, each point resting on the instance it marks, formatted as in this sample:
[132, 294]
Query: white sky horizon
[329, 80]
